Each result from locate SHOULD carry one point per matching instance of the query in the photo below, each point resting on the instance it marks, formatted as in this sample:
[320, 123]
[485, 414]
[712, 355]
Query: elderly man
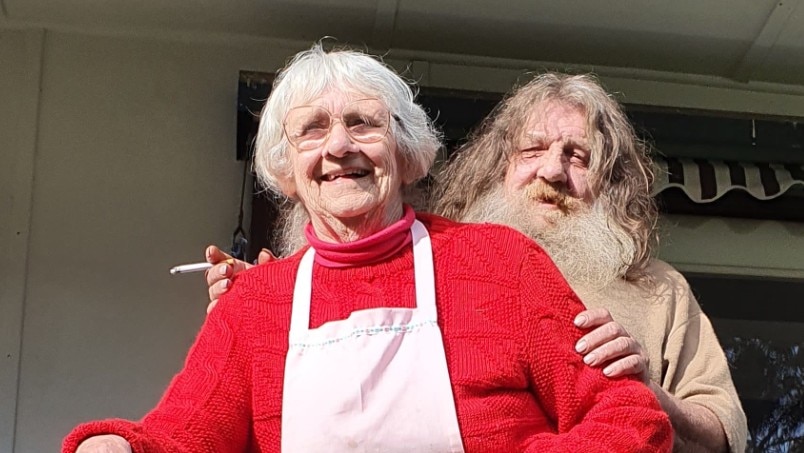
[559, 161]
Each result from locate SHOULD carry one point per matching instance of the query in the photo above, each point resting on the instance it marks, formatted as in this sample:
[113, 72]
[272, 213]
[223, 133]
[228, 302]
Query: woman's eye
[313, 127]
[356, 122]
[359, 121]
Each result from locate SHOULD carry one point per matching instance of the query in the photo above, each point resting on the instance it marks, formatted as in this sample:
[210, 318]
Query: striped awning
[704, 181]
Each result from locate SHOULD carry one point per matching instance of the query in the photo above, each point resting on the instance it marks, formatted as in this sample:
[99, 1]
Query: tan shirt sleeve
[697, 370]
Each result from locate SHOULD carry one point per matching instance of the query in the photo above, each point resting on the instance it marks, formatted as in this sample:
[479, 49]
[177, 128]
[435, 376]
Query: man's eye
[530, 153]
[579, 158]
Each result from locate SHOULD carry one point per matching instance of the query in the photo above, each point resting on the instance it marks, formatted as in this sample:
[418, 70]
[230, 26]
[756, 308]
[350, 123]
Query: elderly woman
[393, 331]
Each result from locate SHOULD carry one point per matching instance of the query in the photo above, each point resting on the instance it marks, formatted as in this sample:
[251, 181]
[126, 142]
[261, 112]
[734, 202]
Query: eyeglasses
[308, 126]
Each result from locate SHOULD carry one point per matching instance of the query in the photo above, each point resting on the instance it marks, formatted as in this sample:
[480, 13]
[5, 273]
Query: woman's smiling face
[342, 177]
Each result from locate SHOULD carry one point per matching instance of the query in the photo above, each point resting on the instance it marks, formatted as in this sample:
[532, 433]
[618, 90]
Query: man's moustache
[555, 194]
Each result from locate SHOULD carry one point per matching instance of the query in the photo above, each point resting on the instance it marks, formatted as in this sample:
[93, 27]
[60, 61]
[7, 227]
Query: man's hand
[610, 345]
[219, 277]
[107, 443]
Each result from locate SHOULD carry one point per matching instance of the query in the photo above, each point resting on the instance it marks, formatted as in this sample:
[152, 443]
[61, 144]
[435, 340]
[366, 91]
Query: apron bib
[374, 382]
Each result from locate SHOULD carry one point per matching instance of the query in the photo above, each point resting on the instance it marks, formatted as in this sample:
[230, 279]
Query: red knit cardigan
[505, 314]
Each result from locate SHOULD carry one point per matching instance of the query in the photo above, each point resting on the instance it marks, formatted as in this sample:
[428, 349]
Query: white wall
[118, 162]
[122, 165]
[733, 246]
[19, 86]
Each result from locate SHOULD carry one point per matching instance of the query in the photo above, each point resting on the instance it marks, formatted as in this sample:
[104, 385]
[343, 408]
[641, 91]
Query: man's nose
[552, 167]
[339, 142]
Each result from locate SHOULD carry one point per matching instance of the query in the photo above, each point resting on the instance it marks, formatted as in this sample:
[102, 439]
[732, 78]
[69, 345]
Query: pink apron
[375, 382]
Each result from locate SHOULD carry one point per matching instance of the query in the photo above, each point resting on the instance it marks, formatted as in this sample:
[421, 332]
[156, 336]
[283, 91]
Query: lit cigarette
[195, 267]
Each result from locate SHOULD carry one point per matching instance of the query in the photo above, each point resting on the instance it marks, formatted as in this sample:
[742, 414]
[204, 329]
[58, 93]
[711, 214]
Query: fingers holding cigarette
[220, 268]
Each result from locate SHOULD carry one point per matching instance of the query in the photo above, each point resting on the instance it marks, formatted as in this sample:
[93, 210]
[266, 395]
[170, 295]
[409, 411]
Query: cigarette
[195, 267]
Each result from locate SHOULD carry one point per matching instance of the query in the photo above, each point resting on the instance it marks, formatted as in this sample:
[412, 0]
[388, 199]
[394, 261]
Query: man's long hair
[620, 171]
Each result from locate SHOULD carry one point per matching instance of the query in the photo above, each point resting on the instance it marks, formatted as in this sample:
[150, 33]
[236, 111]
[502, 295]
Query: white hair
[312, 73]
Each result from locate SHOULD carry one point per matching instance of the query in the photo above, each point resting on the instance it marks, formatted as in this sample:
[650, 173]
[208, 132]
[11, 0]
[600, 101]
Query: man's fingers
[215, 255]
[601, 335]
[219, 288]
[219, 277]
[226, 270]
[613, 350]
[632, 364]
[592, 318]
[611, 346]
[238, 266]
[265, 256]
[220, 271]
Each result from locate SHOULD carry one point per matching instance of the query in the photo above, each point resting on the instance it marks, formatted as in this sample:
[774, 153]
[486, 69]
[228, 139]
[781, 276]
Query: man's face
[548, 198]
[552, 159]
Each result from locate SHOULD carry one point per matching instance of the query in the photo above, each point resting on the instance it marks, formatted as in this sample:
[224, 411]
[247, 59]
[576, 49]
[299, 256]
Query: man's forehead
[544, 126]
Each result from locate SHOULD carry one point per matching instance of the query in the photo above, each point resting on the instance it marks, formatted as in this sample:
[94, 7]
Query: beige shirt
[686, 358]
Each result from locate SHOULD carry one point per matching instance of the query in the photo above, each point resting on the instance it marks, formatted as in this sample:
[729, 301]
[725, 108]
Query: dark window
[760, 323]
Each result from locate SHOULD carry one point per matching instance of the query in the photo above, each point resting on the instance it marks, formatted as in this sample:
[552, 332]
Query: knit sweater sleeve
[206, 408]
[591, 412]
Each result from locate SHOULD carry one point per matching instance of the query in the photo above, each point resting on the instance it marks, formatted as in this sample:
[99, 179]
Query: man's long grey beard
[589, 249]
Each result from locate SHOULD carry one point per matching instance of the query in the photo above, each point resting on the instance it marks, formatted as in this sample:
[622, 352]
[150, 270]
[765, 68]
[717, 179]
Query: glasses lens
[307, 126]
[366, 120]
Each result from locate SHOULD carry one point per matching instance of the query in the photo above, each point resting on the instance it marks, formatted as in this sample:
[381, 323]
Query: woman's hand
[219, 277]
[107, 443]
[609, 344]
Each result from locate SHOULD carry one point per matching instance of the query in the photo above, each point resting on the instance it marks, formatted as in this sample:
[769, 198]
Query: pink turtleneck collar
[375, 248]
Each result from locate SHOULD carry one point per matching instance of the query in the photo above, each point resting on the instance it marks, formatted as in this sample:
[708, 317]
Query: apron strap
[422, 271]
[302, 294]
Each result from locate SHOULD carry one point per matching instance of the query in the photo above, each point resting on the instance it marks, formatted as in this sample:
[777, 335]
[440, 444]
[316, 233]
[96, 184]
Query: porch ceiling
[743, 40]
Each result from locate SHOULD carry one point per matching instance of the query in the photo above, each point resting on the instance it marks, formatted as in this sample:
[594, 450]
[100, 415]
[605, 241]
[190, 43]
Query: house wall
[118, 162]
[122, 153]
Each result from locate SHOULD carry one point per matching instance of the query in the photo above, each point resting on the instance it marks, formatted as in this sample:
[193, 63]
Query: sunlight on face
[342, 177]
[554, 150]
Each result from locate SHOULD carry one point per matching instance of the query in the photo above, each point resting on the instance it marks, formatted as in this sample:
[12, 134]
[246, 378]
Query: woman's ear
[288, 186]
[409, 171]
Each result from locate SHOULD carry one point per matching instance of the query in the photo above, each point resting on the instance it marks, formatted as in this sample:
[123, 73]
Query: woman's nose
[339, 142]
[551, 167]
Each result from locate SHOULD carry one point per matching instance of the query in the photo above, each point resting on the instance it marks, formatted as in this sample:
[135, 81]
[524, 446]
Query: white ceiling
[742, 40]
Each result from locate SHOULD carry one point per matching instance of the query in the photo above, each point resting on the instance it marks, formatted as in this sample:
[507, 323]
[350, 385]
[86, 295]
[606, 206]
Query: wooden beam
[756, 55]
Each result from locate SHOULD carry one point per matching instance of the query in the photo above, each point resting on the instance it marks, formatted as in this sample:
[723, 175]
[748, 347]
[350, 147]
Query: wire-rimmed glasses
[308, 126]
